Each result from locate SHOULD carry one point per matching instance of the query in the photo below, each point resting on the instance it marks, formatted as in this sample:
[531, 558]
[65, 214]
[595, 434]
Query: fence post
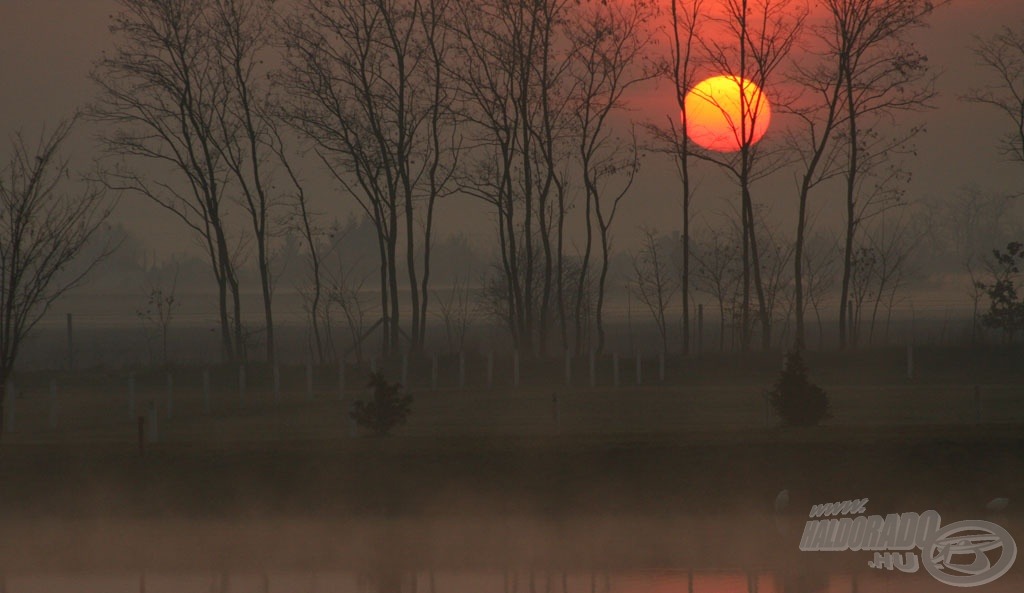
[170, 395]
[615, 369]
[206, 390]
[309, 379]
[53, 403]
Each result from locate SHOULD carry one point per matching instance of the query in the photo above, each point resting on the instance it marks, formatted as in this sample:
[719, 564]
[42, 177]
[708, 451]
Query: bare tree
[687, 17]
[346, 291]
[161, 306]
[863, 270]
[611, 43]
[653, 281]
[44, 227]
[1002, 54]
[454, 313]
[895, 242]
[240, 33]
[304, 220]
[820, 265]
[510, 64]
[776, 259]
[879, 72]
[756, 38]
[719, 273]
[160, 98]
[368, 86]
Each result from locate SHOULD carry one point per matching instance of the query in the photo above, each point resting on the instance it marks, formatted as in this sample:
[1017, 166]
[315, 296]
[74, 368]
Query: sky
[47, 48]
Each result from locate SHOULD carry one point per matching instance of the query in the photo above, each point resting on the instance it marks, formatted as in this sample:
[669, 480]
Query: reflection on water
[676, 581]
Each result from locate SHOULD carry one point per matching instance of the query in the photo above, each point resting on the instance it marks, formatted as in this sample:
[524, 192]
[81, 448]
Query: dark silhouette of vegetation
[46, 227]
[795, 399]
[386, 410]
[1006, 308]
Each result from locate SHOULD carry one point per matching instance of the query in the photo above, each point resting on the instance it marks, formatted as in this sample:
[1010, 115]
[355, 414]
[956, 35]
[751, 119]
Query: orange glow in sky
[715, 113]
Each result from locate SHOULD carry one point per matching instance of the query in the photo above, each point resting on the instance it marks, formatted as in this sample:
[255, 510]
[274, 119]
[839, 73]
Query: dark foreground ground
[633, 500]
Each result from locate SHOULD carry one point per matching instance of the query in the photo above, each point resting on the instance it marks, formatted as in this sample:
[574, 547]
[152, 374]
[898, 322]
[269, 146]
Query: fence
[503, 393]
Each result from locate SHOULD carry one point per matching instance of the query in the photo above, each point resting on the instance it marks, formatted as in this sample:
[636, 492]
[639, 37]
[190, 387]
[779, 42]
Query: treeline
[222, 112]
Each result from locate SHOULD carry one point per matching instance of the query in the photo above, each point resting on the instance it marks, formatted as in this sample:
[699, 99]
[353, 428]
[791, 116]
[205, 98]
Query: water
[486, 553]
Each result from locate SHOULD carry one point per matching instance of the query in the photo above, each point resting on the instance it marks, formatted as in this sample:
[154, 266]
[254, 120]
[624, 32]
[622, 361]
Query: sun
[715, 113]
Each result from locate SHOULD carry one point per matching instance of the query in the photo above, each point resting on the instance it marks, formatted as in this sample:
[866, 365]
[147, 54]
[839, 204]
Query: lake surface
[748, 553]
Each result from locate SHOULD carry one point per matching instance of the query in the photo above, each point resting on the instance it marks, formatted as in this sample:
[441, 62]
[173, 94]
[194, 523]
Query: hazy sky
[47, 47]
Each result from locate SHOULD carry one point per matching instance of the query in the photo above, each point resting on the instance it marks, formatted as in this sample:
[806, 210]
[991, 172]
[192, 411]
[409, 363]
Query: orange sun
[715, 112]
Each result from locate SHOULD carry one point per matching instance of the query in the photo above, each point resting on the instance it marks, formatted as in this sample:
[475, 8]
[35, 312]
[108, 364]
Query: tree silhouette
[1006, 309]
[795, 399]
[43, 230]
[386, 410]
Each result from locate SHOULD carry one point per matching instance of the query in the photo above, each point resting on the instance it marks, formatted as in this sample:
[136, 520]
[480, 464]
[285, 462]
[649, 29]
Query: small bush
[795, 399]
[386, 410]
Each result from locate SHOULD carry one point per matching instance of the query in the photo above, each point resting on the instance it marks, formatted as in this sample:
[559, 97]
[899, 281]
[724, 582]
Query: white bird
[782, 501]
[998, 504]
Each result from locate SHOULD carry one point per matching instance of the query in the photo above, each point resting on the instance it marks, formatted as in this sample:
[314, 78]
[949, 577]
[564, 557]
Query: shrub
[386, 410]
[795, 399]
